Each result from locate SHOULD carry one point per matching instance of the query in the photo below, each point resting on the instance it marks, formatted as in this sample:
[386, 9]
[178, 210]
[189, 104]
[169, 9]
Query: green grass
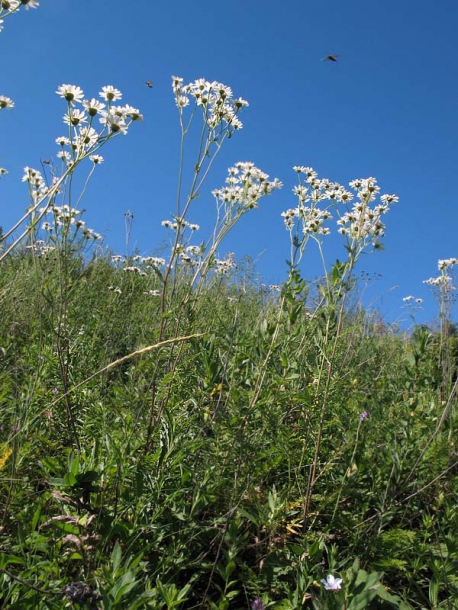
[182, 476]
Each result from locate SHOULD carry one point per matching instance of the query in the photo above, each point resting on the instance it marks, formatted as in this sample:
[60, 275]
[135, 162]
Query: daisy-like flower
[30, 4]
[389, 198]
[6, 102]
[110, 94]
[332, 583]
[177, 84]
[87, 137]
[182, 101]
[63, 141]
[443, 263]
[132, 113]
[64, 155]
[240, 103]
[96, 159]
[71, 93]
[3, 171]
[10, 5]
[75, 117]
[93, 106]
[1, 25]
[114, 122]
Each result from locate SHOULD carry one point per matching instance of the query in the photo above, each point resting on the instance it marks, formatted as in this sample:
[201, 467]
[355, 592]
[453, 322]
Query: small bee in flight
[149, 84]
[330, 58]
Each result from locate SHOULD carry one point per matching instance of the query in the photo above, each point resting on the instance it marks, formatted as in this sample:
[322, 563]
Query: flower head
[30, 4]
[10, 5]
[71, 93]
[110, 94]
[6, 102]
[93, 106]
[332, 583]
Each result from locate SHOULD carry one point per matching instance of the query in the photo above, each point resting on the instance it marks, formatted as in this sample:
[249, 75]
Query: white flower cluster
[37, 186]
[445, 263]
[134, 269]
[83, 137]
[215, 99]
[8, 7]
[224, 266]
[40, 247]
[445, 281]
[191, 255]
[65, 216]
[246, 185]
[149, 261]
[180, 223]
[360, 222]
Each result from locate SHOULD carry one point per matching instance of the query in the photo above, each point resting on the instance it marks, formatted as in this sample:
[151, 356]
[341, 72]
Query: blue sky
[386, 108]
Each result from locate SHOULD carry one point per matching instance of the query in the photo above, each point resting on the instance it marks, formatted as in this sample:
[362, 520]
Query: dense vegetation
[277, 439]
[173, 433]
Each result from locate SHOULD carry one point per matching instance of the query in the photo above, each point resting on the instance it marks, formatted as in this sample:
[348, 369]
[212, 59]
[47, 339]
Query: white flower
[114, 122]
[331, 583]
[6, 102]
[132, 113]
[64, 155]
[153, 293]
[63, 141]
[10, 5]
[93, 106]
[96, 159]
[75, 117]
[110, 94]
[30, 4]
[87, 137]
[3, 171]
[71, 93]
[446, 262]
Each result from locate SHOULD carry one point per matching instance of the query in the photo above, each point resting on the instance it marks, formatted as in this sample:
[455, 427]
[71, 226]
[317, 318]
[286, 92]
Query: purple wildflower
[364, 415]
[258, 604]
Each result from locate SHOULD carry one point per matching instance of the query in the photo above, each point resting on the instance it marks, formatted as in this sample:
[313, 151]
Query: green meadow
[175, 433]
